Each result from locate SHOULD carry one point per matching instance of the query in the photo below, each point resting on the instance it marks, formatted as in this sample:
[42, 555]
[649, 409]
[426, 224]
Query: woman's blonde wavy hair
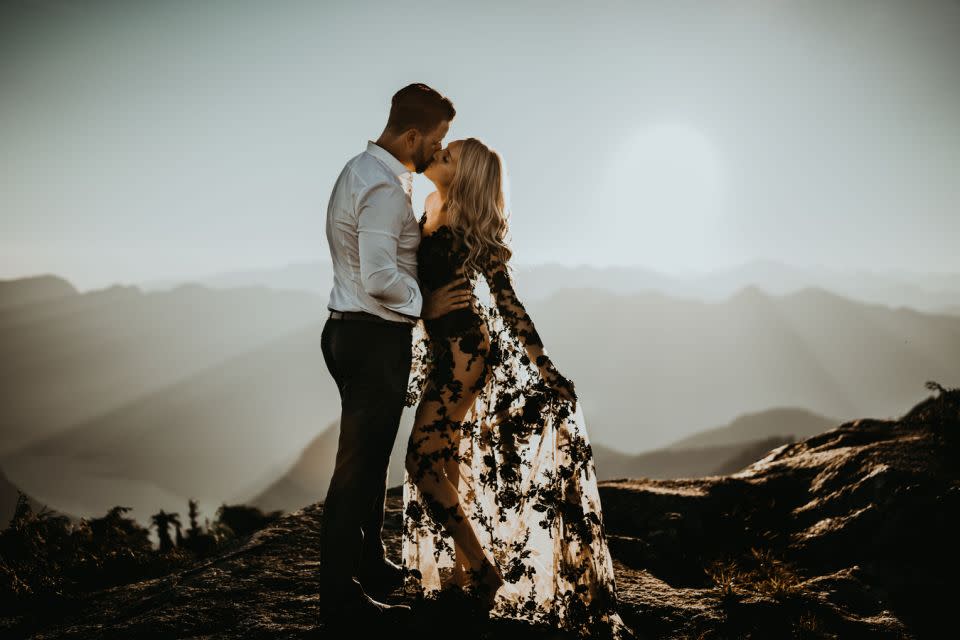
[475, 207]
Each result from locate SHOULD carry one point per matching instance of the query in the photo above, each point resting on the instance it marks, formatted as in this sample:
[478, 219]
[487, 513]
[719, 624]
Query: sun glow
[666, 193]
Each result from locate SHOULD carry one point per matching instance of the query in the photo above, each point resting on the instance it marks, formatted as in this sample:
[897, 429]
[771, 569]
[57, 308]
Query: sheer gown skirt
[523, 470]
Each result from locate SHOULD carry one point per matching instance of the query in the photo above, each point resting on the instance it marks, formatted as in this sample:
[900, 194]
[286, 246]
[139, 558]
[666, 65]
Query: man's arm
[380, 212]
[446, 298]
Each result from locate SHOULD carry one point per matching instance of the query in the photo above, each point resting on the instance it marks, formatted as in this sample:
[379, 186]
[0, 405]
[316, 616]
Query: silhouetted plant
[162, 521]
[115, 550]
[32, 551]
[47, 563]
[192, 513]
[197, 540]
[242, 520]
[45, 560]
[940, 414]
[115, 530]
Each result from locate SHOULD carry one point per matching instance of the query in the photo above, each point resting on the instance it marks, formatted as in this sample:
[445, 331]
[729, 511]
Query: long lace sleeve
[516, 317]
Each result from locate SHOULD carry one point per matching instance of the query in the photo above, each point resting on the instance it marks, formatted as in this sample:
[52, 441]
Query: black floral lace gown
[525, 469]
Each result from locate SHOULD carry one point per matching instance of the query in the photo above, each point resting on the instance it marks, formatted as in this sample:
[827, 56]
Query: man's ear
[410, 138]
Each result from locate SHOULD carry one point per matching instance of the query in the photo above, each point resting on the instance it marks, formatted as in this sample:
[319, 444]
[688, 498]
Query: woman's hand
[556, 381]
[565, 388]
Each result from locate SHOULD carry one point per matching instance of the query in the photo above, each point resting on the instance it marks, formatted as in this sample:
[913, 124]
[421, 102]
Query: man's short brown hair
[419, 107]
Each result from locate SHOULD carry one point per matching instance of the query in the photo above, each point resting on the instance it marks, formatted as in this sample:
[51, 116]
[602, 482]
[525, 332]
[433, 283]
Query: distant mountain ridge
[812, 349]
[23, 291]
[693, 462]
[787, 421]
[70, 359]
[217, 393]
[207, 435]
[307, 480]
[928, 292]
[714, 451]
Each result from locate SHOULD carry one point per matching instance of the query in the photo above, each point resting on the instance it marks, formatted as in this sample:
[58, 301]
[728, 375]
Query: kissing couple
[501, 513]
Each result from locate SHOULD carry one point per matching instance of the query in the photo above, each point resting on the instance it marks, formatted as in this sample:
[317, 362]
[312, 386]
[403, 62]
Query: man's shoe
[382, 579]
[354, 607]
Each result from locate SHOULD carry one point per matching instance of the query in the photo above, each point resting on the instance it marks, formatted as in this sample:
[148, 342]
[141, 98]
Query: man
[366, 342]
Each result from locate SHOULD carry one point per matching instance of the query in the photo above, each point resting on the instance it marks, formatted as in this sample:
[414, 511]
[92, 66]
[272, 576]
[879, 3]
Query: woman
[500, 495]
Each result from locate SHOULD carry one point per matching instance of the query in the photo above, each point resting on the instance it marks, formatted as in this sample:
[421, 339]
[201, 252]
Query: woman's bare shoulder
[432, 202]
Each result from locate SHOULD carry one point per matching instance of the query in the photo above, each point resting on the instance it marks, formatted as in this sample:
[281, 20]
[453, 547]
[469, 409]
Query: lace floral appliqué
[526, 479]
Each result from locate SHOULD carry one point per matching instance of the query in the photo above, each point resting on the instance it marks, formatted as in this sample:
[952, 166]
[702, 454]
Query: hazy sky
[143, 140]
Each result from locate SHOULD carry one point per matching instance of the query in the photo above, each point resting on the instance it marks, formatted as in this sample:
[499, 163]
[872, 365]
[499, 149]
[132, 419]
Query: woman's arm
[519, 321]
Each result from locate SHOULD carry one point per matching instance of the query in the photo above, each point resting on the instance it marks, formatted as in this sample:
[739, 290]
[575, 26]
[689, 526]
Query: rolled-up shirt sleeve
[380, 214]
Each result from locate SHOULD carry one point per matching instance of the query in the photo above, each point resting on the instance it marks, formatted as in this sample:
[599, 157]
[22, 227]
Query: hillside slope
[847, 534]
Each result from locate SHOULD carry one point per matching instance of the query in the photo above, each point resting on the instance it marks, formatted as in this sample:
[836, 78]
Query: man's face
[429, 145]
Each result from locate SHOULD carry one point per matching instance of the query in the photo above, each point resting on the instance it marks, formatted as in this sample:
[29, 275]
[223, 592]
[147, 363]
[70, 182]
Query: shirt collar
[386, 158]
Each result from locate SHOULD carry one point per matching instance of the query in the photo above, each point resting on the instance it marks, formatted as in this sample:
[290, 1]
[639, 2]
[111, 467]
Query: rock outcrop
[850, 533]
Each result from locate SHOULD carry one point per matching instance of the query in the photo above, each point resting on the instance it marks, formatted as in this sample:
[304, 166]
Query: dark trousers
[370, 362]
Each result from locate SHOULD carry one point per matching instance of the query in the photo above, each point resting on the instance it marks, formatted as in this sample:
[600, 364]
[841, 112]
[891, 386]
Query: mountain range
[70, 359]
[147, 398]
[931, 292]
[638, 359]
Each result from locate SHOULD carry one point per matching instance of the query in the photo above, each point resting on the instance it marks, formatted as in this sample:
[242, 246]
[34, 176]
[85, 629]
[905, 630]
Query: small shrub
[725, 577]
[760, 573]
[772, 577]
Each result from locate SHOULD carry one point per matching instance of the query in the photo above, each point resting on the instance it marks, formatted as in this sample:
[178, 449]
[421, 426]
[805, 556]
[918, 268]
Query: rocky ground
[851, 533]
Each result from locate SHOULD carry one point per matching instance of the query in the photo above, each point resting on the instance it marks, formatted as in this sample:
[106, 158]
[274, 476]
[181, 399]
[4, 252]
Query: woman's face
[444, 165]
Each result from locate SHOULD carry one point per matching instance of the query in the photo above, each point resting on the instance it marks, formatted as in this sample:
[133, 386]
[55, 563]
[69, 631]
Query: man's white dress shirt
[373, 237]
